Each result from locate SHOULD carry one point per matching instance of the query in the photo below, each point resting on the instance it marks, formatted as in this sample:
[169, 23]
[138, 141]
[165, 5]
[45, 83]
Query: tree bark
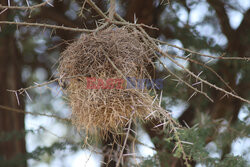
[10, 76]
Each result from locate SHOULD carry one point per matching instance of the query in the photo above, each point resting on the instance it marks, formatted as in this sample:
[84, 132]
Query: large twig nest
[111, 53]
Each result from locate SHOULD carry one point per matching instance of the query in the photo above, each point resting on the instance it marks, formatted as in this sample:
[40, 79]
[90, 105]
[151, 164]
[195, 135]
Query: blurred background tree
[30, 54]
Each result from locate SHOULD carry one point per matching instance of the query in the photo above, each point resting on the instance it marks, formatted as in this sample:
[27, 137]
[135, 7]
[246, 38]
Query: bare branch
[112, 9]
[26, 112]
[47, 26]
[97, 9]
[179, 78]
[207, 67]
[25, 7]
[200, 54]
[125, 141]
[35, 86]
[188, 71]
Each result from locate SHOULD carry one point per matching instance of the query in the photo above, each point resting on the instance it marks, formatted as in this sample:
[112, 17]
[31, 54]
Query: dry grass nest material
[110, 53]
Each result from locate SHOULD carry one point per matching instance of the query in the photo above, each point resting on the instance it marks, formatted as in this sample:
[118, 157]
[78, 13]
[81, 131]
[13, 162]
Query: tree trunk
[10, 78]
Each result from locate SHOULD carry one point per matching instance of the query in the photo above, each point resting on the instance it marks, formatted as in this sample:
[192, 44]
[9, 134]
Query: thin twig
[200, 54]
[125, 141]
[133, 24]
[112, 9]
[207, 67]
[188, 71]
[34, 86]
[32, 113]
[202, 80]
[25, 7]
[97, 9]
[47, 26]
[3, 11]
